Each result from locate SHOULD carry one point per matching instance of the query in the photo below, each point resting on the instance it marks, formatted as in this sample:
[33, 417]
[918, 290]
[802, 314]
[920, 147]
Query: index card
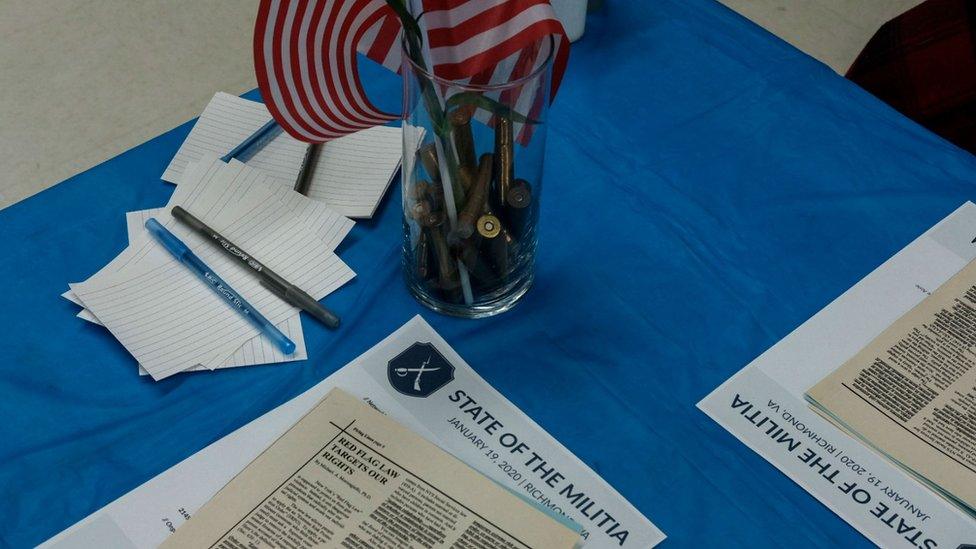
[350, 174]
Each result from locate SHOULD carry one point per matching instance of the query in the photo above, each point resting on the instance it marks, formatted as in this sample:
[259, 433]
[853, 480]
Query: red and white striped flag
[306, 65]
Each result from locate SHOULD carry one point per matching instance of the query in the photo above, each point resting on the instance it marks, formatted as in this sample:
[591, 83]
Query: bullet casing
[425, 216]
[466, 177]
[420, 210]
[421, 190]
[477, 199]
[519, 195]
[463, 136]
[470, 252]
[504, 160]
[489, 226]
[422, 254]
[501, 251]
[519, 211]
[428, 158]
[446, 268]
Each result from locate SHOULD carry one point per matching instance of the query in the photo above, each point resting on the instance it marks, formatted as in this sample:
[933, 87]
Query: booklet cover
[764, 406]
[348, 476]
[911, 392]
[450, 406]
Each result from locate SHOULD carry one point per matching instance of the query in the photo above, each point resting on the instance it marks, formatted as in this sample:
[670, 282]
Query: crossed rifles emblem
[404, 372]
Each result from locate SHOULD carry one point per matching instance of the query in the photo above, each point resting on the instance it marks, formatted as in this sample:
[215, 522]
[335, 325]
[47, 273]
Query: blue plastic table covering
[708, 188]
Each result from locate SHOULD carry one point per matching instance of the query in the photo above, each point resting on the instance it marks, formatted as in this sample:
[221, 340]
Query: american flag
[306, 64]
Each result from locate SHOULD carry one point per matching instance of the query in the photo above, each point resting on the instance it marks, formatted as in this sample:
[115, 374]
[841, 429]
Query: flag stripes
[307, 69]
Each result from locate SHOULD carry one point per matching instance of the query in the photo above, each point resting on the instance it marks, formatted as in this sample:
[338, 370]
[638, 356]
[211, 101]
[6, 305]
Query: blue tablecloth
[708, 188]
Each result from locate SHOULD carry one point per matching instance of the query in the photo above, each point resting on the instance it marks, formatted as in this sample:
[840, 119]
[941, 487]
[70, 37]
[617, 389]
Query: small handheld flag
[306, 64]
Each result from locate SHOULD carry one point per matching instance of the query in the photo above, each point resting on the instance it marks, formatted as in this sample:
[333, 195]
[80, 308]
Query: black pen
[305, 175]
[269, 279]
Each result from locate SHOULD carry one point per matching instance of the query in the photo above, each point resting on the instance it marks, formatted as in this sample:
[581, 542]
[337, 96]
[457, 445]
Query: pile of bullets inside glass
[495, 212]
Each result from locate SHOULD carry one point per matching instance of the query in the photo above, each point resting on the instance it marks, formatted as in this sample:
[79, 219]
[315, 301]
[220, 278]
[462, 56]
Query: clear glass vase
[472, 183]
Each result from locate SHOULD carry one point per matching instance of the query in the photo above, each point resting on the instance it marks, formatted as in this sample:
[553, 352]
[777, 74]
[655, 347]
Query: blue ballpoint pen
[183, 254]
[255, 141]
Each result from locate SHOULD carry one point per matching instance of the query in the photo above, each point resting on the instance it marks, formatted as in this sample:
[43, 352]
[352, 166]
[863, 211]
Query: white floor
[83, 80]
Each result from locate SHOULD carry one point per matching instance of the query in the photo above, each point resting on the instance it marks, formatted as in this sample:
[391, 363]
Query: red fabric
[923, 63]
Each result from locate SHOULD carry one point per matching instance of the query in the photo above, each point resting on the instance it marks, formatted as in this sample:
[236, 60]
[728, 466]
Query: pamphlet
[348, 476]
[763, 404]
[911, 393]
[452, 407]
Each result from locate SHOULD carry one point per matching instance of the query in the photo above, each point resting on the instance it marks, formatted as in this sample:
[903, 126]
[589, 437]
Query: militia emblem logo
[419, 371]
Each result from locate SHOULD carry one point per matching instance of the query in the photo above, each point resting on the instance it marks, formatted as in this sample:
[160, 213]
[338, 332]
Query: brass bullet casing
[467, 176]
[427, 197]
[467, 251]
[420, 211]
[504, 159]
[425, 216]
[422, 254]
[420, 190]
[477, 199]
[435, 195]
[447, 273]
[463, 136]
[518, 213]
[433, 220]
[519, 196]
[489, 226]
[501, 249]
[428, 158]
[472, 253]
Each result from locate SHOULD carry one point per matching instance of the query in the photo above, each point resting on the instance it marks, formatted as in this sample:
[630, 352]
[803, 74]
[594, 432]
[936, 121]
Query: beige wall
[833, 31]
[84, 80]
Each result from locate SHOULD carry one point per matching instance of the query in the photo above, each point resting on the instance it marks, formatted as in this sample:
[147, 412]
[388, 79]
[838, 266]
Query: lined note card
[226, 122]
[257, 350]
[350, 174]
[327, 224]
[260, 350]
[219, 193]
[167, 318]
